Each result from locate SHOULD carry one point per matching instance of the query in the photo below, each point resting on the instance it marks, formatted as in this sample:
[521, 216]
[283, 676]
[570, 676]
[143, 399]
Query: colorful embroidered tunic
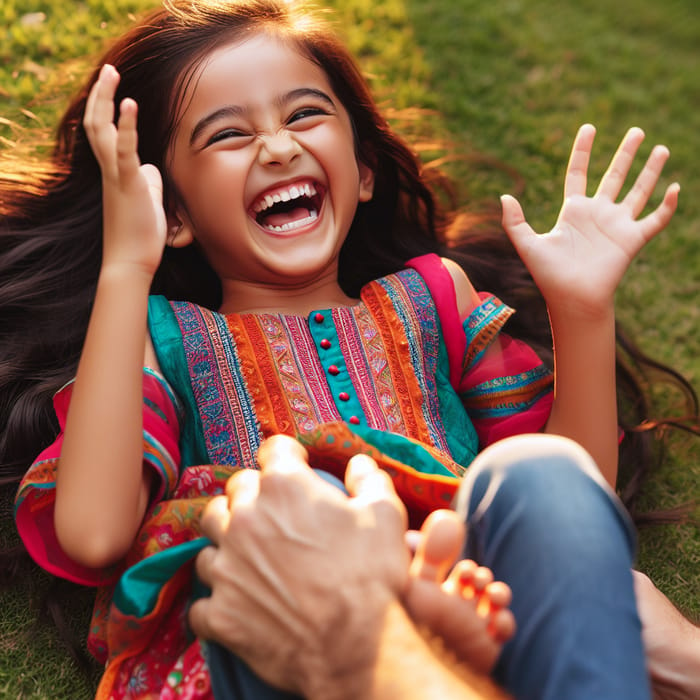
[391, 377]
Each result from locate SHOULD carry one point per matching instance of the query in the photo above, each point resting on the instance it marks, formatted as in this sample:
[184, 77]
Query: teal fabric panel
[167, 341]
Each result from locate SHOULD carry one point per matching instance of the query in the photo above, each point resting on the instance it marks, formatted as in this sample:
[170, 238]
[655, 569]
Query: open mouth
[288, 208]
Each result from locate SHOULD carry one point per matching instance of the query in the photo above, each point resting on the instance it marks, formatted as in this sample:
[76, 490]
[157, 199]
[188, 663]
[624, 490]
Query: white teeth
[294, 192]
[313, 215]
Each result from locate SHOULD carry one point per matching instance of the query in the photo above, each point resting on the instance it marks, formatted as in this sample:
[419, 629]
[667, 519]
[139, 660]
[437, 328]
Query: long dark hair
[51, 215]
[51, 225]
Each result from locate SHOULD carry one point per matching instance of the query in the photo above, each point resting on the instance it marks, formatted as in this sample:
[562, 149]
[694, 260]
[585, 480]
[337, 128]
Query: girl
[287, 238]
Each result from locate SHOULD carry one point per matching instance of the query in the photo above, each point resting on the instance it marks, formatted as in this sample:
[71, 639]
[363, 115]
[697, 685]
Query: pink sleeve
[34, 503]
[503, 384]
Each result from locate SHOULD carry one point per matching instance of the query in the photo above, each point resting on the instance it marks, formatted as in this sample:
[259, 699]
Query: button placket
[325, 338]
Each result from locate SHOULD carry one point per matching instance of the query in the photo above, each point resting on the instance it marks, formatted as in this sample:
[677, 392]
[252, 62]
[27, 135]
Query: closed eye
[305, 113]
[226, 134]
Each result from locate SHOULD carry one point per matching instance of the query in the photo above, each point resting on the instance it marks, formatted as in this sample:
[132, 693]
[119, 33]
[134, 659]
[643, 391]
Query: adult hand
[580, 262]
[301, 575]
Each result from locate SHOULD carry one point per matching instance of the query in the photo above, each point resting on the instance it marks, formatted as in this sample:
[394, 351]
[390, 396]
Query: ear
[179, 232]
[366, 182]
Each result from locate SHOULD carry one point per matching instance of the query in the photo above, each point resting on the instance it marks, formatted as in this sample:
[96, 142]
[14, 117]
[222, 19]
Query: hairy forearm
[101, 493]
[585, 403]
[404, 666]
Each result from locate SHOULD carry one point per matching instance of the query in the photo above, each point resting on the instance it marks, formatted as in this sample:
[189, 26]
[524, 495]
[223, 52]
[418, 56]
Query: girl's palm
[581, 261]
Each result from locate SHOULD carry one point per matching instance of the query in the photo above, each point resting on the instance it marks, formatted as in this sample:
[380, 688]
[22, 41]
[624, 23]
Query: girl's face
[264, 163]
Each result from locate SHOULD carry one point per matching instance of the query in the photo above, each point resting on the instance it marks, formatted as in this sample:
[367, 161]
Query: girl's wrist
[586, 315]
[126, 272]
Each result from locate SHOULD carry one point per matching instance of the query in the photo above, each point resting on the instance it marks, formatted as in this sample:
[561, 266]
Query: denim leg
[543, 519]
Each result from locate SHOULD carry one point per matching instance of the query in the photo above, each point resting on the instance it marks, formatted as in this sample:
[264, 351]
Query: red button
[354, 420]
[333, 369]
[319, 318]
[344, 396]
[325, 343]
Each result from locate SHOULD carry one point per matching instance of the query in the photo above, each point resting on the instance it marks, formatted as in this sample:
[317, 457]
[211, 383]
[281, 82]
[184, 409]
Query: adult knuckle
[243, 517]
[389, 510]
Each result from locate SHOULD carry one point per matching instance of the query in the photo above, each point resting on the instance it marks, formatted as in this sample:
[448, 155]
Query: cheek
[329, 144]
[214, 183]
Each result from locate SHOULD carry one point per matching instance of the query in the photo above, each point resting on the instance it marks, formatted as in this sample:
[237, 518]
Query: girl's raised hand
[134, 220]
[580, 262]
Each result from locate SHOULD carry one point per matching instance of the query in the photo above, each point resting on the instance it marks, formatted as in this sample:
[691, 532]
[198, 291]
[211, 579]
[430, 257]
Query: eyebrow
[237, 111]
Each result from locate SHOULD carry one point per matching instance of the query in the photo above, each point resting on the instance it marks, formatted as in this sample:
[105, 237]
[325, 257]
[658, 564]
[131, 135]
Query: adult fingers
[243, 488]
[199, 616]
[364, 478]
[285, 474]
[282, 454]
[204, 564]
[368, 484]
[215, 519]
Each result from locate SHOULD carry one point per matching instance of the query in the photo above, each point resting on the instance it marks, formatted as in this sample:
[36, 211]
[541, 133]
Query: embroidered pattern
[507, 396]
[256, 375]
[482, 327]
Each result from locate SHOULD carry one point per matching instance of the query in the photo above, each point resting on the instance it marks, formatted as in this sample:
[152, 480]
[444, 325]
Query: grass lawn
[508, 79]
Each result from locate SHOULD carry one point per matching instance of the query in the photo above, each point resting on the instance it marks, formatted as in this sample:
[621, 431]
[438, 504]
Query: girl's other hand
[134, 220]
[580, 262]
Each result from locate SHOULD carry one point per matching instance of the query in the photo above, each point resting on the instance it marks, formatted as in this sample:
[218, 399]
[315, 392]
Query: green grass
[510, 79]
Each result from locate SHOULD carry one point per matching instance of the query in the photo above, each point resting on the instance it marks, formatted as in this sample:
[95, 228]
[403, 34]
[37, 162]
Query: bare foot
[671, 642]
[460, 604]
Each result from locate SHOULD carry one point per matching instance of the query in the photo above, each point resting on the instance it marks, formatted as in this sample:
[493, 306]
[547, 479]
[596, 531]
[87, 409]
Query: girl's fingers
[112, 148]
[127, 139]
[99, 108]
[516, 226]
[645, 183]
[616, 174]
[658, 219]
[577, 169]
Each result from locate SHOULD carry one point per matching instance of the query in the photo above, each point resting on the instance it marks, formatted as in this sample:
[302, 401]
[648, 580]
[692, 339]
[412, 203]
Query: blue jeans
[541, 516]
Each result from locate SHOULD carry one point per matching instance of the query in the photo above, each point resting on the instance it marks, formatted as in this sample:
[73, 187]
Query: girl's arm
[577, 267]
[102, 489]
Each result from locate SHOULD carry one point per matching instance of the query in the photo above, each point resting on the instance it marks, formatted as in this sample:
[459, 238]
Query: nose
[280, 148]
